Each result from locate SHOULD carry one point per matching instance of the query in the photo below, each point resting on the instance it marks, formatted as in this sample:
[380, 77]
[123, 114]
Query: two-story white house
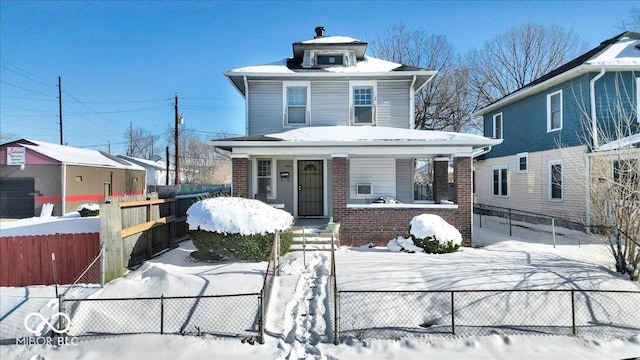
[330, 131]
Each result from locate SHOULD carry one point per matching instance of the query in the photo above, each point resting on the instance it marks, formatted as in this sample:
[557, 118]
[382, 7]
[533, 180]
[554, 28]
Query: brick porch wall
[360, 226]
[239, 177]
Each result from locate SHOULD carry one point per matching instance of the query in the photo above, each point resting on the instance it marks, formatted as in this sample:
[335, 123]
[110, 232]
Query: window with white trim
[523, 163]
[363, 102]
[265, 179]
[297, 97]
[554, 111]
[555, 180]
[500, 177]
[497, 126]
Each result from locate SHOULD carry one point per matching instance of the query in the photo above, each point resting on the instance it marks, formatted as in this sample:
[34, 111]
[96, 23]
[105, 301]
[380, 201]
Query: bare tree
[141, 143]
[200, 163]
[633, 22]
[518, 57]
[443, 103]
[614, 181]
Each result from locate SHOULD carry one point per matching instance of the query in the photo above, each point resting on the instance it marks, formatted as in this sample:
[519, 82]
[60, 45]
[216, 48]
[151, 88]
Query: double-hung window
[363, 102]
[500, 177]
[523, 163]
[497, 126]
[555, 180]
[297, 97]
[554, 111]
[264, 176]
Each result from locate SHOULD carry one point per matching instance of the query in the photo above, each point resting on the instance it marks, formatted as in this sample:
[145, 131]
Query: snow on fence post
[111, 237]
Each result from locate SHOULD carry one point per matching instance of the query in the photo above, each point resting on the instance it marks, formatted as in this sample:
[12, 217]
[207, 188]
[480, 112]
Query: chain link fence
[394, 314]
[218, 315]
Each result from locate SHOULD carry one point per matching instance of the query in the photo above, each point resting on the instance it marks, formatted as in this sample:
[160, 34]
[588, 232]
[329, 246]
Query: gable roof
[75, 156]
[145, 163]
[621, 52]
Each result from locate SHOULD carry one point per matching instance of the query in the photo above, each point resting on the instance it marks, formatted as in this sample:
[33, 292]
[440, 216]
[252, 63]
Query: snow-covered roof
[621, 143]
[358, 140]
[619, 53]
[331, 40]
[76, 156]
[371, 133]
[623, 52]
[143, 162]
[368, 65]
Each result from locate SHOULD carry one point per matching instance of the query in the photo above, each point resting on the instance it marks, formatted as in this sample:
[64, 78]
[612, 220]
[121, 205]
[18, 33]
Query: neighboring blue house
[552, 127]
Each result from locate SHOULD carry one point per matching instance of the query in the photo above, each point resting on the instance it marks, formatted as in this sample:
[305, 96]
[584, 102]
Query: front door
[310, 188]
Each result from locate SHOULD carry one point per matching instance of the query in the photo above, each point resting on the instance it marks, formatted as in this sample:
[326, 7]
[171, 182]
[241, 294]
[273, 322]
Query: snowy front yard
[298, 322]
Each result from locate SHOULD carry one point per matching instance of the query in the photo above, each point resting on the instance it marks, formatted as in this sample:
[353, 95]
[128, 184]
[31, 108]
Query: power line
[31, 76]
[23, 88]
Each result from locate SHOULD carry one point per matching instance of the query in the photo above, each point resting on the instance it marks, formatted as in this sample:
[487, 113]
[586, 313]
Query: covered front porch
[362, 177]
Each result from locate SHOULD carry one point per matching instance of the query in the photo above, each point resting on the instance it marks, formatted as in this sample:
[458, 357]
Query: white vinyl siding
[265, 107]
[554, 111]
[529, 192]
[330, 103]
[379, 172]
[393, 108]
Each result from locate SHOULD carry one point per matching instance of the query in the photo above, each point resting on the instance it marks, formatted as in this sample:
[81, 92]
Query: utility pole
[130, 138]
[175, 139]
[167, 161]
[60, 108]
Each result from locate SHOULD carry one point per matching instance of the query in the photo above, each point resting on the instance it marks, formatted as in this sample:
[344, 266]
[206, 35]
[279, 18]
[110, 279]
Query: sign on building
[16, 156]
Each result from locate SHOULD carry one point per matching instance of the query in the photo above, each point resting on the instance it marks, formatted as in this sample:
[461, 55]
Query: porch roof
[357, 140]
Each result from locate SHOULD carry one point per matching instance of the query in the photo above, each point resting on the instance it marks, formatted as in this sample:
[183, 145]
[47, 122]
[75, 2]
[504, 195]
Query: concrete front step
[311, 247]
[312, 239]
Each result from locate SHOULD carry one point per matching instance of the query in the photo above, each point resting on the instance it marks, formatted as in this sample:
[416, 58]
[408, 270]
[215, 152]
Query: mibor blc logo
[41, 325]
[44, 322]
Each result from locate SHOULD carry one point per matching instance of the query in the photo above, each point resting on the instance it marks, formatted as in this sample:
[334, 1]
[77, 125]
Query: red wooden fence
[26, 260]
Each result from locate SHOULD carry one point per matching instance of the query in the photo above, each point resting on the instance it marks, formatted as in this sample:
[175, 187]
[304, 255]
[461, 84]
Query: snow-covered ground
[67, 224]
[298, 323]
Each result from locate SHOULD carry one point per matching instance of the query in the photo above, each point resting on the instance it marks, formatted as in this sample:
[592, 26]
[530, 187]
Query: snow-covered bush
[237, 227]
[90, 209]
[434, 235]
[400, 244]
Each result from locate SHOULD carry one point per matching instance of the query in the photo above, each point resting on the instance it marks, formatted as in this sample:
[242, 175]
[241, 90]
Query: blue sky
[121, 62]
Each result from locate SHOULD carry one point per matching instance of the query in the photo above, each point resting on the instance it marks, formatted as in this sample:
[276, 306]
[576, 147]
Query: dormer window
[329, 58]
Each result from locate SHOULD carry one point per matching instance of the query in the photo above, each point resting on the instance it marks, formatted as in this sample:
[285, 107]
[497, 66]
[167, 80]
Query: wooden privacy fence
[26, 260]
[134, 231]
